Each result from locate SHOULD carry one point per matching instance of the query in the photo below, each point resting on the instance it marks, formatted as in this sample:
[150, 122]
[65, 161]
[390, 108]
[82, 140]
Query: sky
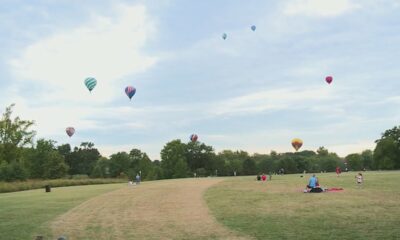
[253, 91]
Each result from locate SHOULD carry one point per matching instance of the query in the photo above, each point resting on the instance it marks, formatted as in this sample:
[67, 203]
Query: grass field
[279, 210]
[209, 208]
[24, 215]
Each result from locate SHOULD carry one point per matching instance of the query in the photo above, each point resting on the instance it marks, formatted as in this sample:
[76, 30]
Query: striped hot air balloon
[253, 28]
[90, 83]
[297, 143]
[193, 137]
[224, 36]
[70, 131]
[130, 91]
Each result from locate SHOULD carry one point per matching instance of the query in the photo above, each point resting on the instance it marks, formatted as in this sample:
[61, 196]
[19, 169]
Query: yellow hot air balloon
[297, 143]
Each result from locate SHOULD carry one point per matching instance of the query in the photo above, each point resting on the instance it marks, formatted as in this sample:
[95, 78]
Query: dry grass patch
[172, 209]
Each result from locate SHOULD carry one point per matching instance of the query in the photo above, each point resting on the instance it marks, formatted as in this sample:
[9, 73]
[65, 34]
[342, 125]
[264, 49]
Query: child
[264, 177]
[360, 179]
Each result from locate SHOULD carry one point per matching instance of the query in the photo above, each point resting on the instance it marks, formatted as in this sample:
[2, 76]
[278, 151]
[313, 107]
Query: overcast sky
[254, 91]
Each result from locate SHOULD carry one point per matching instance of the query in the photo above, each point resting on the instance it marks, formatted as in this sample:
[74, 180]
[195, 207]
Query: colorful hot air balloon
[90, 83]
[224, 36]
[329, 79]
[253, 28]
[193, 137]
[297, 143]
[130, 91]
[70, 131]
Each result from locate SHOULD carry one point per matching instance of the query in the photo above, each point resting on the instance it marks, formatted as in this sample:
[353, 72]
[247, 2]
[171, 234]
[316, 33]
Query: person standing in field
[360, 179]
[338, 171]
[137, 179]
[312, 182]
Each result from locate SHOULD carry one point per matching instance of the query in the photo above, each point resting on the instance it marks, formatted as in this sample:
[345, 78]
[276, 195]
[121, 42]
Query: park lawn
[280, 210]
[24, 215]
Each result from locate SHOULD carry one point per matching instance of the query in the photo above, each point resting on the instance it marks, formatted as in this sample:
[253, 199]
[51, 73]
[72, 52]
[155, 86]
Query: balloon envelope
[193, 137]
[297, 143]
[329, 79]
[90, 83]
[130, 91]
[70, 131]
[253, 28]
[224, 36]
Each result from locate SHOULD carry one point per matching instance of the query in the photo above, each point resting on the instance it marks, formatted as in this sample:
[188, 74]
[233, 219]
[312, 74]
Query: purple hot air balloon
[130, 91]
[329, 79]
[70, 131]
[193, 137]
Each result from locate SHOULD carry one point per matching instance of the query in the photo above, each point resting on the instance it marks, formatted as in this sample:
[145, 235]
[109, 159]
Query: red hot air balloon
[297, 143]
[193, 137]
[70, 131]
[329, 79]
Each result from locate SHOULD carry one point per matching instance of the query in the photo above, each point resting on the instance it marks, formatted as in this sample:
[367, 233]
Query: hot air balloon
[130, 91]
[90, 83]
[253, 28]
[193, 137]
[70, 131]
[329, 79]
[224, 36]
[297, 143]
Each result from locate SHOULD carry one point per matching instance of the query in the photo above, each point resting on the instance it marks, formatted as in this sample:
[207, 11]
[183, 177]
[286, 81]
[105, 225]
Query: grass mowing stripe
[24, 215]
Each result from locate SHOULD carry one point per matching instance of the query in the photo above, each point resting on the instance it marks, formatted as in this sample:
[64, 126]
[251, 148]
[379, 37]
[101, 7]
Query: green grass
[24, 215]
[279, 210]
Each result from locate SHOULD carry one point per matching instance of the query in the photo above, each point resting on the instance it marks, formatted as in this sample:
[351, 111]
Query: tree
[355, 161]
[367, 159]
[83, 159]
[14, 135]
[46, 162]
[387, 150]
[173, 158]
[249, 166]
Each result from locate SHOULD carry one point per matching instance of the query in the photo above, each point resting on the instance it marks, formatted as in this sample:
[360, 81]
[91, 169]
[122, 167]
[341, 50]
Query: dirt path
[172, 209]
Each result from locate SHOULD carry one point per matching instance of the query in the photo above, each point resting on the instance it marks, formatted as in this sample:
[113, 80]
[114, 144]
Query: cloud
[106, 48]
[319, 8]
[275, 99]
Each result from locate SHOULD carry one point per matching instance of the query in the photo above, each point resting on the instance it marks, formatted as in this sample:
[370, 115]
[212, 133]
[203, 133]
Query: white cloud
[319, 8]
[354, 147]
[106, 48]
[271, 100]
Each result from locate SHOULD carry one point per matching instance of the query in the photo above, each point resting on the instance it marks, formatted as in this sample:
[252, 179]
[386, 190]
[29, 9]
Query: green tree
[14, 135]
[387, 150]
[355, 161]
[173, 159]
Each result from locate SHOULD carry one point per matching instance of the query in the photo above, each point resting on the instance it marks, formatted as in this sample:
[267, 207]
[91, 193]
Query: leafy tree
[355, 161]
[14, 135]
[249, 166]
[387, 150]
[83, 159]
[173, 157]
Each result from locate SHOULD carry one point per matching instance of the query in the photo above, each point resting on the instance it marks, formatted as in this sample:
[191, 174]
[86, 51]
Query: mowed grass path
[279, 210]
[170, 209]
[24, 215]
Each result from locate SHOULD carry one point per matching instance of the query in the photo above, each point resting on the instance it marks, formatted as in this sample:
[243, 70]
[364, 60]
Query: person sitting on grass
[258, 178]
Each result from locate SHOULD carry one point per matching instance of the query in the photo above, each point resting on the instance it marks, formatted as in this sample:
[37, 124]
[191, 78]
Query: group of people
[314, 185]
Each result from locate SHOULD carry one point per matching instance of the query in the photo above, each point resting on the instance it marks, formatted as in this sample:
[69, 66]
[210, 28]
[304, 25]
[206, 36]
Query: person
[258, 178]
[338, 171]
[264, 177]
[360, 179]
[312, 182]
[137, 179]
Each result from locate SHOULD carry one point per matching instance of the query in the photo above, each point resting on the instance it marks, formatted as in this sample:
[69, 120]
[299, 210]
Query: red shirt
[264, 177]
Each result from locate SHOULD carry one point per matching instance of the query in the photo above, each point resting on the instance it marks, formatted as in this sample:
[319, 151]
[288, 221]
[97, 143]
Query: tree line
[23, 158]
